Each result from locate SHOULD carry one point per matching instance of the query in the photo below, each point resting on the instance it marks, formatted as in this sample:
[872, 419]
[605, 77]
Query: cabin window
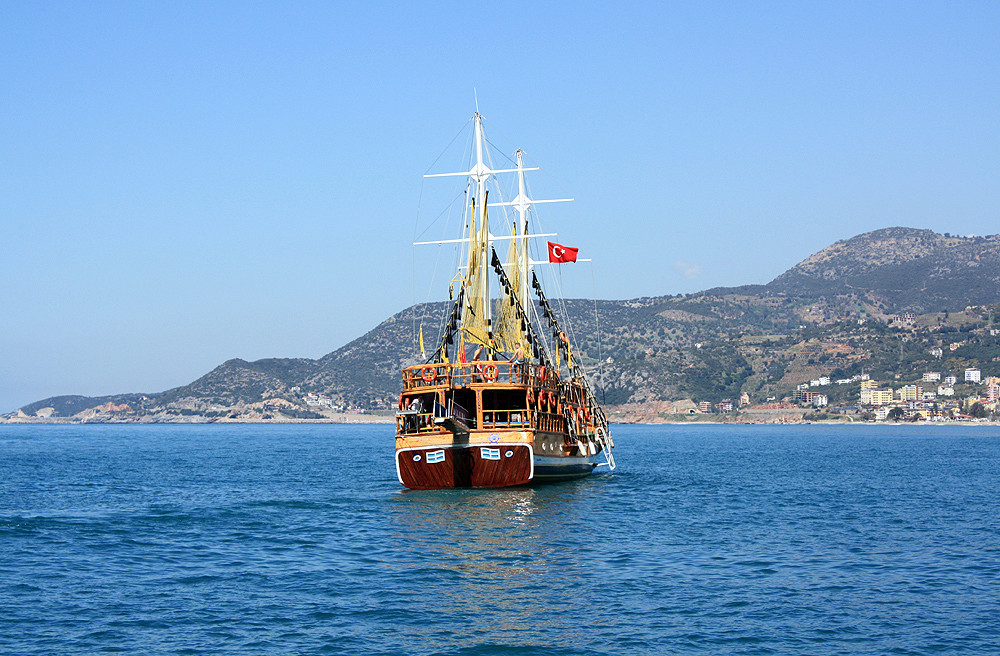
[504, 408]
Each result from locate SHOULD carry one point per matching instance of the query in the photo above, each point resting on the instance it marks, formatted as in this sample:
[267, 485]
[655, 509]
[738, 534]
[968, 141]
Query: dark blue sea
[299, 540]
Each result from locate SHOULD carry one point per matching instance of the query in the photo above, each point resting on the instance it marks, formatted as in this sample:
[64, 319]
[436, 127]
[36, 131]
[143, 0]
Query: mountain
[903, 269]
[877, 302]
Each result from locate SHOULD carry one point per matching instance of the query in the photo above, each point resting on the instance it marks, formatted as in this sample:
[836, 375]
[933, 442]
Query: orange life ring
[541, 374]
[428, 373]
[552, 399]
[531, 396]
[490, 372]
[586, 413]
[400, 400]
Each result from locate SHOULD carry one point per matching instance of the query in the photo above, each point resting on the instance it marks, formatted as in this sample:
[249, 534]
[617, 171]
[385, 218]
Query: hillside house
[877, 397]
[806, 397]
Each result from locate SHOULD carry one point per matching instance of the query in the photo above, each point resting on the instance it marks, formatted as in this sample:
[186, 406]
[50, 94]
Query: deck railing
[416, 423]
[549, 421]
[485, 372]
[419, 423]
[505, 418]
[540, 414]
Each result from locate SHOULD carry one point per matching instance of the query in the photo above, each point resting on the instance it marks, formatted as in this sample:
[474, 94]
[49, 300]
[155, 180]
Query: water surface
[299, 540]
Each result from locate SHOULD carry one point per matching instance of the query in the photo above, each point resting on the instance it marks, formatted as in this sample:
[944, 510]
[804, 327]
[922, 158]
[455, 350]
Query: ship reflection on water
[505, 566]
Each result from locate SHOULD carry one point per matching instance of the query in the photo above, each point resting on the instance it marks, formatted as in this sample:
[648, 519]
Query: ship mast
[480, 239]
[481, 173]
[523, 204]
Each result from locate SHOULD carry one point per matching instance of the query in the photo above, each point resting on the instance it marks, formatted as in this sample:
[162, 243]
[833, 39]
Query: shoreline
[389, 420]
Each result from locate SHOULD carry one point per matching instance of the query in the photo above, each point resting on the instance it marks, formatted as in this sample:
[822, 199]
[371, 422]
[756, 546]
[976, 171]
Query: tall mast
[523, 204]
[480, 173]
[480, 239]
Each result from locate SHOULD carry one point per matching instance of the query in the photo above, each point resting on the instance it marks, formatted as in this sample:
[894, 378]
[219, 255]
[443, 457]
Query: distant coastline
[631, 416]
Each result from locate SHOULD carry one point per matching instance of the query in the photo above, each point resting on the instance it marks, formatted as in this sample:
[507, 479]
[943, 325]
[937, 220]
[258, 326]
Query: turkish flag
[560, 253]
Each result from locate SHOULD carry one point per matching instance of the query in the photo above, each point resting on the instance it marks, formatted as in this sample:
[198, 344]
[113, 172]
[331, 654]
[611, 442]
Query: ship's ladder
[601, 436]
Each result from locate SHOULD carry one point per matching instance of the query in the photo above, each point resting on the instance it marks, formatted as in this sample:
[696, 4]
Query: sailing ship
[520, 410]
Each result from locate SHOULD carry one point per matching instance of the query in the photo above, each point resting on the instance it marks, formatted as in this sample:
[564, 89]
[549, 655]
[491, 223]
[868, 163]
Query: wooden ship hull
[495, 424]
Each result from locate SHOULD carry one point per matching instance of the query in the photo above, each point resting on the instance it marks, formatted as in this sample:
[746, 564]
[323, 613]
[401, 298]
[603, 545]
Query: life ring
[401, 407]
[552, 400]
[586, 413]
[428, 373]
[531, 397]
[541, 374]
[490, 372]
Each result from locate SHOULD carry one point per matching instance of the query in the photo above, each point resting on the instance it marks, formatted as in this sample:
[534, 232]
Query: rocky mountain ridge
[720, 343]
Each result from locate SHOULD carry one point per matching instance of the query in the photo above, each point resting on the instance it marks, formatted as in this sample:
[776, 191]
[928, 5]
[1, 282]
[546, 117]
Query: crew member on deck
[477, 369]
[517, 361]
[416, 407]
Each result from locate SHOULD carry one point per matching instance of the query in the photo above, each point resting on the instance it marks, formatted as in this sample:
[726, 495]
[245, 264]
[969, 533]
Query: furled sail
[510, 329]
[474, 321]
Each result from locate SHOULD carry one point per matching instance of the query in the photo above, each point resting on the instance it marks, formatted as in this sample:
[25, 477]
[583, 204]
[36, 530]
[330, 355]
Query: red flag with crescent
[560, 253]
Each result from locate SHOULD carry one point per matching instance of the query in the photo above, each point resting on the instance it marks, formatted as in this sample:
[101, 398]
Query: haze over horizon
[185, 184]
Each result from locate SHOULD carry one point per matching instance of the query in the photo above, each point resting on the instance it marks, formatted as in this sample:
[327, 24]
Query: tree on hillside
[978, 410]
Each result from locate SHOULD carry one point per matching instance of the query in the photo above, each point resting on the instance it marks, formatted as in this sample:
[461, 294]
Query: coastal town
[951, 393]
[932, 399]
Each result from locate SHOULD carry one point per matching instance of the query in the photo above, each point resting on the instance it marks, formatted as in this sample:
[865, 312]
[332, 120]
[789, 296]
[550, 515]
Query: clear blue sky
[183, 183]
